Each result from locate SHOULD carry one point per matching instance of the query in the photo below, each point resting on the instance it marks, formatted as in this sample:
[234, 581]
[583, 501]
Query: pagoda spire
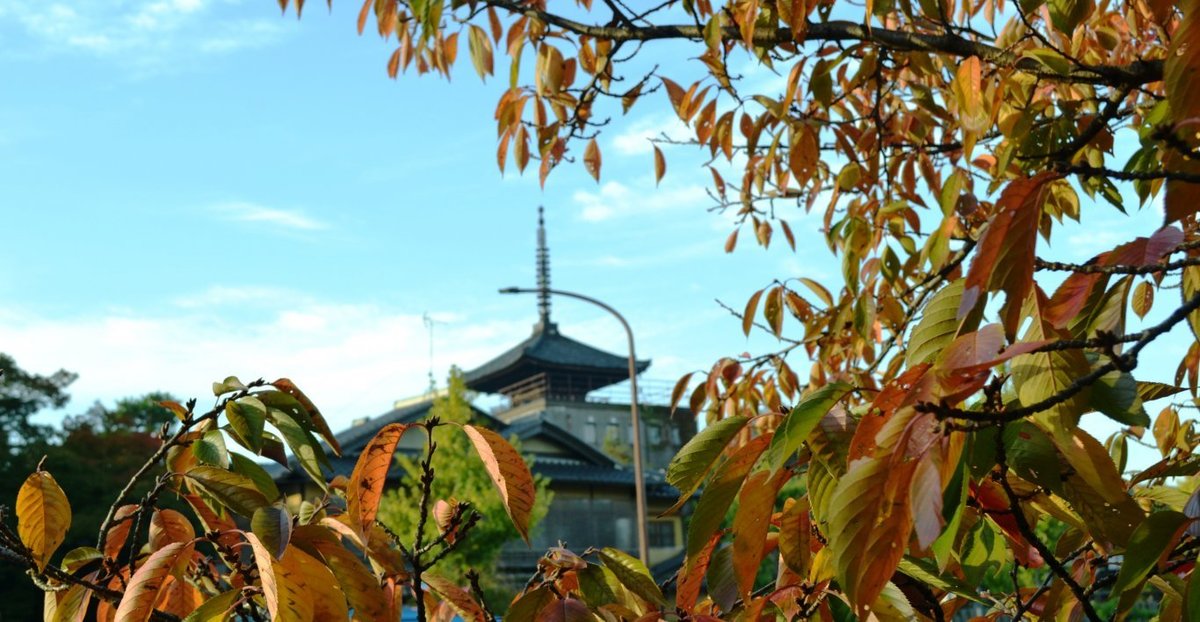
[543, 273]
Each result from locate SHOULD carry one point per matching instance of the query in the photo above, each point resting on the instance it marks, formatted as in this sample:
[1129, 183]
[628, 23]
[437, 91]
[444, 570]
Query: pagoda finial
[543, 272]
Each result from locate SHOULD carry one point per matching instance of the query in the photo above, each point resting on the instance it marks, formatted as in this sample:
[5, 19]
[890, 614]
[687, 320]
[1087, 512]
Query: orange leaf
[365, 488]
[122, 523]
[748, 314]
[691, 574]
[167, 526]
[362, 14]
[756, 503]
[591, 159]
[147, 583]
[660, 165]
[795, 536]
[509, 473]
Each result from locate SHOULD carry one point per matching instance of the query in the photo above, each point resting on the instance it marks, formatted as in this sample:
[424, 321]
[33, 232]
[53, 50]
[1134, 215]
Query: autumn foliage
[922, 430]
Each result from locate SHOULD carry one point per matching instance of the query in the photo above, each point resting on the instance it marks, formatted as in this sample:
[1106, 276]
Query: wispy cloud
[615, 199]
[242, 211]
[145, 33]
[637, 136]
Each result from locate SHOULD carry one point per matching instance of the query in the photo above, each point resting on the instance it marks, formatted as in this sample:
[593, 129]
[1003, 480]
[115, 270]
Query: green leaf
[1150, 541]
[695, 460]
[595, 585]
[236, 492]
[720, 492]
[799, 423]
[925, 571]
[1150, 391]
[633, 574]
[80, 557]
[247, 417]
[228, 385]
[530, 604]
[273, 526]
[303, 444]
[262, 480]
[210, 449]
[939, 325]
[215, 609]
[1116, 395]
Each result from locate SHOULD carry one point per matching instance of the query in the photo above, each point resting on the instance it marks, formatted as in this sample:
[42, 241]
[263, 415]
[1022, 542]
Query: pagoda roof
[549, 351]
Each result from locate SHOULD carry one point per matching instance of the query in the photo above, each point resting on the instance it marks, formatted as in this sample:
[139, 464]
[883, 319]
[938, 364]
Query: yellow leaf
[43, 516]
[1143, 298]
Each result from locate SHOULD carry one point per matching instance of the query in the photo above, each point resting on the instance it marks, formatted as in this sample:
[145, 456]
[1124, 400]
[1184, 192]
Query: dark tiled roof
[533, 427]
[548, 350]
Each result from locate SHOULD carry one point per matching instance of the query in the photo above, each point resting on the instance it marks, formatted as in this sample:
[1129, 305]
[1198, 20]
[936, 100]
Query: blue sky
[195, 188]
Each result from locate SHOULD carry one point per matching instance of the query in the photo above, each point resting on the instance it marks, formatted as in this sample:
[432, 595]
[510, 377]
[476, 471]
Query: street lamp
[639, 484]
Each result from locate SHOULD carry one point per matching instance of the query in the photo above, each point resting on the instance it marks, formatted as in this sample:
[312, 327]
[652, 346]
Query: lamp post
[639, 484]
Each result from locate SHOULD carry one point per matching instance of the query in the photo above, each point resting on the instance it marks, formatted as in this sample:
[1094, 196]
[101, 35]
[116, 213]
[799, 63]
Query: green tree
[461, 476]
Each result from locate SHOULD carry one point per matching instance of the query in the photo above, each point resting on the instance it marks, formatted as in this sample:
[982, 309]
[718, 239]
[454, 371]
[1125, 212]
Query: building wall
[608, 427]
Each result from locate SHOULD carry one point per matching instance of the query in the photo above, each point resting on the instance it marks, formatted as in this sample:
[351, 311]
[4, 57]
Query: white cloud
[143, 33]
[615, 199]
[354, 360]
[636, 137]
[243, 211]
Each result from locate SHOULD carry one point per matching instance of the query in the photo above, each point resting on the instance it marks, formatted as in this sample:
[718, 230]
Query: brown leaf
[457, 597]
[365, 488]
[509, 473]
[660, 165]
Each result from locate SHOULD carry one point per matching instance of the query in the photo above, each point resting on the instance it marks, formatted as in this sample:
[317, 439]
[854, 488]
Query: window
[661, 534]
[589, 431]
[614, 430]
[654, 434]
[676, 436]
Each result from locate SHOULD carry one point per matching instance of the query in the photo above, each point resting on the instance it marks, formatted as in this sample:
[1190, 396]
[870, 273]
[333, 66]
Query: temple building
[568, 403]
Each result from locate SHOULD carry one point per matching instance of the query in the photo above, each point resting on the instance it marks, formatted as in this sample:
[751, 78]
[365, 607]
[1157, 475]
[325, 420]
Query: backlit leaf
[43, 516]
[1150, 543]
[167, 526]
[216, 609]
[365, 487]
[235, 492]
[633, 574]
[1143, 298]
[509, 473]
[146, 585]
[273, 526]
[799, 423]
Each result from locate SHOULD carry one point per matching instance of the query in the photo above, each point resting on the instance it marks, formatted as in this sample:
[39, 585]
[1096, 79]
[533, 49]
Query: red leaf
[1004, 257]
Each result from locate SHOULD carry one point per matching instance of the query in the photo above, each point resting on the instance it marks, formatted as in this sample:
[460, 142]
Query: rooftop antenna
[429, 322]
[543, 272]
